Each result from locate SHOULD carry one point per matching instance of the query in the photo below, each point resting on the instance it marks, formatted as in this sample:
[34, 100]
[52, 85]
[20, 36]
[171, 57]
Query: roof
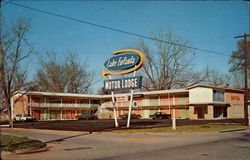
[61, 94]
[214, 87]
[100, 96]
[158, 92]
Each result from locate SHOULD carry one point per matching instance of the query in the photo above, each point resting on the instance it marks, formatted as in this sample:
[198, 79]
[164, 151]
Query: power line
[4, 4]
[116, 30]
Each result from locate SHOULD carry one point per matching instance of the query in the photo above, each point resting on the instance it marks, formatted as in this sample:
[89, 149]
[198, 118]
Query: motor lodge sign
[126, 61]
[123, 83]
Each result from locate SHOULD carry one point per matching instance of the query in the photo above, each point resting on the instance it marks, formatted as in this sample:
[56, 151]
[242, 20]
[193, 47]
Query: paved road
[107, 125]
[70, 145]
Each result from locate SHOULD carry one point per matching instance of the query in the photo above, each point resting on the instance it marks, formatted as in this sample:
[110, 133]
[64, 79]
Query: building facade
[195, 102]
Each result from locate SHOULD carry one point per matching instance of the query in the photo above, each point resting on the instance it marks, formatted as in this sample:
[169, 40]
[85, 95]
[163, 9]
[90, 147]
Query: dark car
[160, 115]
[87, 117]
[133, 116]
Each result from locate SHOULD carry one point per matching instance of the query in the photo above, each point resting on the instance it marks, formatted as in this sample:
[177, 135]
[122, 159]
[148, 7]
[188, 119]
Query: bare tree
[14, 49]
[237, 62]
[168, 65]
[216, 78]
[65, 75]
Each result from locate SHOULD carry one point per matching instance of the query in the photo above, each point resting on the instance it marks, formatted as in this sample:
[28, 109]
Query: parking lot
[108, 125]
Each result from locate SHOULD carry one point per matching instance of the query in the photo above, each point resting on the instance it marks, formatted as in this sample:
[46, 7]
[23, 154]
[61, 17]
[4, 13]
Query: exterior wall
[21, 106]
[200, 95]
[236, 108]
[192, 114]
[210, 112]
[50, 107]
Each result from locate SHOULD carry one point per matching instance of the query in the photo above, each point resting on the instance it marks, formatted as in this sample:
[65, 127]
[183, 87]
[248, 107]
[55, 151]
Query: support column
[30, 106]
[173, 117]
[89, 107]
[192, 114]
[210, 112]
[61, 108]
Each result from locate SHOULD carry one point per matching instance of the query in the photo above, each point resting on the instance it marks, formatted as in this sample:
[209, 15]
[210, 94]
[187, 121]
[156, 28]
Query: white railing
[63, 105]
[148, 104]
[107, 104]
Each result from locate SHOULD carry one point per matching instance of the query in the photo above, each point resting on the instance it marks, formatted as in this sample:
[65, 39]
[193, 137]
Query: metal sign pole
[130, 105]
[12, 117]
[114, 107]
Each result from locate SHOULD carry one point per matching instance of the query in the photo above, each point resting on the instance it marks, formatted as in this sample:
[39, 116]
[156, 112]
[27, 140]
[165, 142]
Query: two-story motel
[195, 102]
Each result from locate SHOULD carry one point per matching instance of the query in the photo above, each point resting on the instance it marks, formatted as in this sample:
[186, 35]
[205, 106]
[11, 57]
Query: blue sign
[122, 62]
[123, 83]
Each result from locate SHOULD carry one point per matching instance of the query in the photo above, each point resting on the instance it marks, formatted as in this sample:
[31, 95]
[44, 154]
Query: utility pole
[245, 65]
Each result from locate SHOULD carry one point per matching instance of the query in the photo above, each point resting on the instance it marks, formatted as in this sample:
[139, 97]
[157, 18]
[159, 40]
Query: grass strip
[19, 143]
[184, 129]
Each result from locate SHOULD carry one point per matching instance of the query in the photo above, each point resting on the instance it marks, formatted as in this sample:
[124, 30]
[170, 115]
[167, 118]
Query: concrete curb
[27, 150]
[43, 130]
[233, 130]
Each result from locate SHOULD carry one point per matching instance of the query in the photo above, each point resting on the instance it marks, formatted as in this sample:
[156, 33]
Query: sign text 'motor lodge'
[123, 83]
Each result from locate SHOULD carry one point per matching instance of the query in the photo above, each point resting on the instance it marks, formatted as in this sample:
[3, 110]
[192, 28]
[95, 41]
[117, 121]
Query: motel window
[84, 101]
[54, 100]
[218, 96]
[95, 101]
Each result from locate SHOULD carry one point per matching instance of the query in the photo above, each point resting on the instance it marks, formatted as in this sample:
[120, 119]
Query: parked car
[160, 115]
[133, 116]
[87, 117]
[25, 117]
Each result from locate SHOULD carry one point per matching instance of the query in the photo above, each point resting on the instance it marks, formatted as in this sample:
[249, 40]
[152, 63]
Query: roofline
[100, 96]
[60, 94]
[209, 103]
[213, 87]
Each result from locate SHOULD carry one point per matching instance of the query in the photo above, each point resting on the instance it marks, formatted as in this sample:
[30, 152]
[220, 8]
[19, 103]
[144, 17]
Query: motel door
[200, 112]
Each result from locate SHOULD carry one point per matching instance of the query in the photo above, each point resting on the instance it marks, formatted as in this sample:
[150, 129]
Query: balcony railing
[58, 105]
[147, 104]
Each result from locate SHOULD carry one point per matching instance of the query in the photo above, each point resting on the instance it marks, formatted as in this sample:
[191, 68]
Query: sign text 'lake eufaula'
[123, 83]
[122, 62]
[126, 61]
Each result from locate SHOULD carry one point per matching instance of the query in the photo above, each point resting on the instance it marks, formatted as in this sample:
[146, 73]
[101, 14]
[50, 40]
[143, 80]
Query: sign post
[120, 65]
[130, 105]
[173, 117]
[114, 106]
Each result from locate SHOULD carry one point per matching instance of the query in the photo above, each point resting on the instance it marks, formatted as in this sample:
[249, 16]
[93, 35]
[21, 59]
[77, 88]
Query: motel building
[194, 102]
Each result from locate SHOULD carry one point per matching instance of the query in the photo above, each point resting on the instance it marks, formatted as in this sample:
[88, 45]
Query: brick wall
[236, 108]
[21, 106]
[210, 112]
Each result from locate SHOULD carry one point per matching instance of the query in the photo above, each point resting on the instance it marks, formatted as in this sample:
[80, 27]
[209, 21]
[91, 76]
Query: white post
[169, 104]
[11, 116]
[130, 105]
[89, 107]
[173, 117]
[114, 107]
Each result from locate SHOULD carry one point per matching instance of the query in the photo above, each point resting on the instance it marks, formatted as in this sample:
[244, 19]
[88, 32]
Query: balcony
[63, 105]
[148, 103]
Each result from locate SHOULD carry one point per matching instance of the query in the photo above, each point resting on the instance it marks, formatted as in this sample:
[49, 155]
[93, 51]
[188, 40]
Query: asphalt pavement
[109, 125]
[77, 145]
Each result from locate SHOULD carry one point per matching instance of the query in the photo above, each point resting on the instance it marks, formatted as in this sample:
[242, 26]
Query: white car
[25, 117]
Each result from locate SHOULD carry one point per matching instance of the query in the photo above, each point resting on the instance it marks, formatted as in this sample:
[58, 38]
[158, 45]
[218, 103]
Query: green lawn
[19, 143]
[184, 129]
